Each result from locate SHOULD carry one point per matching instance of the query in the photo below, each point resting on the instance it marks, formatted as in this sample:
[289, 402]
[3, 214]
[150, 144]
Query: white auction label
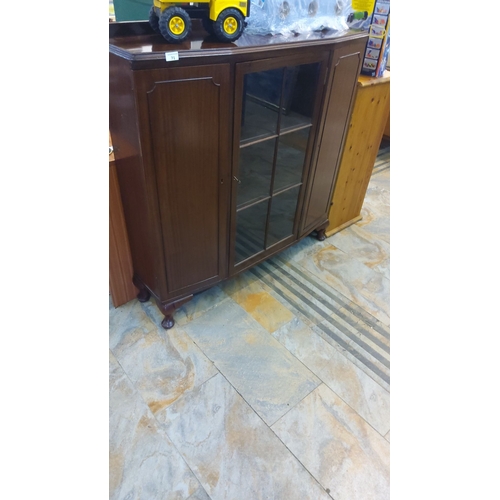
[171, 56]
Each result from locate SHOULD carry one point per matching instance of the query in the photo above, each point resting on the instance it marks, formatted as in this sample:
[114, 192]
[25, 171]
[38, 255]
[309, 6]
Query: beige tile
[349, 382]
[388, 436]
[337, 446]
[232, 451]
[143, 463]
[264, 308]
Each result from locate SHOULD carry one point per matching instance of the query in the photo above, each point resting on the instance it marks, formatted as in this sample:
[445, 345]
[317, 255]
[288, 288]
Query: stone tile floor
[273, 385]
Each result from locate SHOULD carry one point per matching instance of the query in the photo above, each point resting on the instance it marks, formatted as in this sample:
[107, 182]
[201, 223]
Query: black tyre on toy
[153, 20]
[175, 24]
[229, 25]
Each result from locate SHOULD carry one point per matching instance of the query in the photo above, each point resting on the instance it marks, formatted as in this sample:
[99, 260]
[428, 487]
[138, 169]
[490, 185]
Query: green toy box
[132, 10]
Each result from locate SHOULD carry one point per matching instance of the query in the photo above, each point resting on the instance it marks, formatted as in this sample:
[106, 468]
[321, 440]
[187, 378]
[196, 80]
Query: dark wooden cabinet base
[227, 155]
[167, 308]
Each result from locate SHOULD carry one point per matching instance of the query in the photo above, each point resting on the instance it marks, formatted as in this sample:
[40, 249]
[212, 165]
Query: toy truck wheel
[208, 24]
[153, 20]
[174, 24]
[229, 25]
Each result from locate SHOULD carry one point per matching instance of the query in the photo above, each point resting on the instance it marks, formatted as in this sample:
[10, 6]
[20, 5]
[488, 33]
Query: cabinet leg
[168, 322]
[169, 309]
[144, 295]
[320, 234]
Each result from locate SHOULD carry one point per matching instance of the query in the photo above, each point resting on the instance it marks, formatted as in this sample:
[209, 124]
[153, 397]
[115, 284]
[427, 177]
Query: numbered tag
[171, 56]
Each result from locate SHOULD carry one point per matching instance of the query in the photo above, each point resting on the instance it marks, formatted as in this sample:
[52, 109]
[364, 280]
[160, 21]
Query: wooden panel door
[345, 70]
[187, 112]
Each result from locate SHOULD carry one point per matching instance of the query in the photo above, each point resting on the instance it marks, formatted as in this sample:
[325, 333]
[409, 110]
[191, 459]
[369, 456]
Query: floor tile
[378, 193]
[299, 342]
[237, 283]
[382, 181]
[361, 337]
[375, 212]
[358, 356]
[279, 288]
[162, 364]
[364, 286]
[230, 449]
[263, 371]
[337, 446]
[128, 317]
[375, 224]
[348, 381]
[198, 305]
[304, 247]
[264, 308]
[388, 436]
[144, 464]
[365, 247]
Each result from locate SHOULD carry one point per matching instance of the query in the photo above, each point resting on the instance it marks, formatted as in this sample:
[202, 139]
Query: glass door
[276, 110]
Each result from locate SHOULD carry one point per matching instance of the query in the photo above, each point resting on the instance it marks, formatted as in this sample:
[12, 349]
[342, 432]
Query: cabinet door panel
[259, 114]
[345, 72]
[251, 231]
[276, 108]
[282, 215]
[290, 159]
[188, 117]
[255, 172]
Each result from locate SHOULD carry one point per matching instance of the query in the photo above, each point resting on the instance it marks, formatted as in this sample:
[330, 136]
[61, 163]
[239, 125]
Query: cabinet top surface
[136, 41]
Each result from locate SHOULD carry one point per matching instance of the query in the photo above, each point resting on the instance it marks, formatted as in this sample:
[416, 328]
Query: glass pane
[261, 101]
[283, 207]
[299, 95]
[255, 170]
[290, 159]
[250, 230]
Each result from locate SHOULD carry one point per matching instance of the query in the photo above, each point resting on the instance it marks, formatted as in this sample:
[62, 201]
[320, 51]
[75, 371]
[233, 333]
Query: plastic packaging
[288, 17]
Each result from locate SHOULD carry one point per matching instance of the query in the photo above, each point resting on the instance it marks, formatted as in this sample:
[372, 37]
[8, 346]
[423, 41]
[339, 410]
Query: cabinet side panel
[345, 71]
[124, 133]
[120, 261]
[184, 119]
[360, 153]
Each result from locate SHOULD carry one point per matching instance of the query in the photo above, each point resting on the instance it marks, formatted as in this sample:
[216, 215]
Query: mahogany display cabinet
[225, 153]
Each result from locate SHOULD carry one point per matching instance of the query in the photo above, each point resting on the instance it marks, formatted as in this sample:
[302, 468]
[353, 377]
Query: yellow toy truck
[225, 19]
